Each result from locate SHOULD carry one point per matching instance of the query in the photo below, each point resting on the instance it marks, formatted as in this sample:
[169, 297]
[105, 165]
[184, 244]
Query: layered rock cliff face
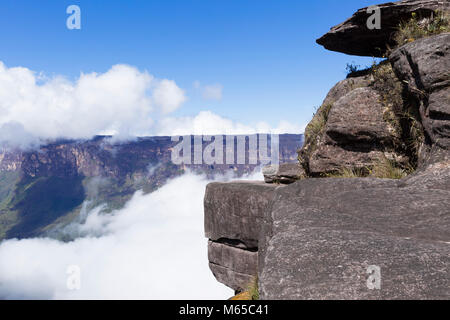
[366, 236]
[101, 157]
[43, 189]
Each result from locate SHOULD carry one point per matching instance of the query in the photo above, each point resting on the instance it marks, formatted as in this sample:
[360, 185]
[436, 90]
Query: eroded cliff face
[100, 157]
[88, 158]
[46, 188]
[334, 238]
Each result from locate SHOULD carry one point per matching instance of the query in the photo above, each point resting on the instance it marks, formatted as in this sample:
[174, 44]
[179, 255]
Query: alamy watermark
[374, 279]
[74, 20]
[230, 150]
[374, 21]
[73, 278]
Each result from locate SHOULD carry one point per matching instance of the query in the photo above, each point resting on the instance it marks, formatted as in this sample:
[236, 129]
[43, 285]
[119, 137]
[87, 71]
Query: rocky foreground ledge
[316, 238]
[310, 233]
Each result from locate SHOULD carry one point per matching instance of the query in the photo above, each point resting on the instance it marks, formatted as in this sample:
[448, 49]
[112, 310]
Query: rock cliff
[46, 188]
[341, 226]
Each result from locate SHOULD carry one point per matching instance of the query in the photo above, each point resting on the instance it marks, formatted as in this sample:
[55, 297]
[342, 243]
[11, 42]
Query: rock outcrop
[353, 238]
[234, 213]
[360, 123]
[424, 66]
[232, 264]
[239, 217]
[285, 173]
[354, 37]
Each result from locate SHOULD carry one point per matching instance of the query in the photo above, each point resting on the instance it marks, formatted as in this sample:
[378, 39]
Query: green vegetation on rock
[251, 292]
[38, 202]
[383, 169]
[421, 27]
[313, 131]
[253, 289]
[8, 217]
[400, 112]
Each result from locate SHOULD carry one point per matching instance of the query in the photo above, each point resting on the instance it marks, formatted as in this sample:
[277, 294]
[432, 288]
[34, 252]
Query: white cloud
[209, 123]
[123, 102]
[168, 96]
[119, 101]
[154, 248]
[13, 134]
[287, 127]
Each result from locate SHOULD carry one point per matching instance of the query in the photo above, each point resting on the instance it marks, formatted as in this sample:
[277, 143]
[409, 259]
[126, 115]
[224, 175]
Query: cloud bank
[119, 101]
[153, 248]
[209, 123]
[123, 101]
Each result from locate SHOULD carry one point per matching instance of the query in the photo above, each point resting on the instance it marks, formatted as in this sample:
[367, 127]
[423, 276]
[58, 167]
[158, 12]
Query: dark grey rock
[344, 87]
[434, 176]
[357, 118]
[232, 279]
[353, 37]
[286, 173]
[424, 66]
[322, 234]
[234, 267]
[234, 210]
[317, 237]
[354, 204]
[233, 220]
[355, 135]
[322, 263]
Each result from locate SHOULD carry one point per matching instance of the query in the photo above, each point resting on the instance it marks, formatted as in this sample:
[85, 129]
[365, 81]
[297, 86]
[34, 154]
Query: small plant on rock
[318, 122]
[349, 173]
[251, 291]
[352, 68]
[388, 169]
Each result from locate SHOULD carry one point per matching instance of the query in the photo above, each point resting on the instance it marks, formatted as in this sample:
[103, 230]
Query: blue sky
[263, 53]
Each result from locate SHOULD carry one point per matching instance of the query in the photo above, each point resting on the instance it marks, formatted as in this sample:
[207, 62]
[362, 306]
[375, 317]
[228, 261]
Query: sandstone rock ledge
[234, 214]
[321, 235]
[317, 237]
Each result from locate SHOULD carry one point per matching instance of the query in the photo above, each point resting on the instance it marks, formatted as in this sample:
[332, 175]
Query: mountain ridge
[44, 188]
